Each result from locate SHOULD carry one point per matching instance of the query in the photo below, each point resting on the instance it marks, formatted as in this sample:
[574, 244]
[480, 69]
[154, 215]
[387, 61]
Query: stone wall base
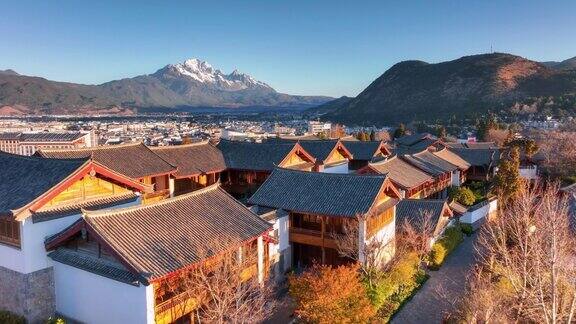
[30, 295]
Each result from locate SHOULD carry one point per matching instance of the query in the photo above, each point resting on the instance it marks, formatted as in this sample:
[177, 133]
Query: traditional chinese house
[483, 161]
[41, 197]
[415, 143]
[319, 206]
[459, 176]
[442, 171]
[364, 152]
[412, 182]
[133, 160]
[249, 164]
[131, 261]
[432, 215]
[198, 165]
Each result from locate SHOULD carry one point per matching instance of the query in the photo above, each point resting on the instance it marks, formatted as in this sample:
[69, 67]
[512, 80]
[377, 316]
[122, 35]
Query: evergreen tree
[400, 131]
[372, 135]
[484, 127]
[441, 132]
[507, 180]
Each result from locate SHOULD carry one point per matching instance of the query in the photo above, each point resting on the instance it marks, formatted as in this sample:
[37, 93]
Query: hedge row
[448, 242]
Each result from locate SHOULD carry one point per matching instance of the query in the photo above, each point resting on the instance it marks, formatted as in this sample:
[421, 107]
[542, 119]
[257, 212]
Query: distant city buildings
[316, 127]
[28, 143]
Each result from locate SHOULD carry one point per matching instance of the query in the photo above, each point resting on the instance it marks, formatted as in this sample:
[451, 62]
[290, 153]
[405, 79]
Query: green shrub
[465, 196]
[55, 320]
[448, 242]
[7, 317]
[396, 286]
[437, 256]
[467, 229]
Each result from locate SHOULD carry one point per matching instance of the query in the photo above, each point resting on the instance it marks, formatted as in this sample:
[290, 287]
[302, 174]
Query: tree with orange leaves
[324, 294]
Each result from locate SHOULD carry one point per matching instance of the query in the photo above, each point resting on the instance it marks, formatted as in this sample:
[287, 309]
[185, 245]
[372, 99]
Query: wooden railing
[305, 231]
[174, 308]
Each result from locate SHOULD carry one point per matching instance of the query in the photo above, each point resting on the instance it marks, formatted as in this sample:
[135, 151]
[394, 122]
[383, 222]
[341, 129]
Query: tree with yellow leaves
[324, 294]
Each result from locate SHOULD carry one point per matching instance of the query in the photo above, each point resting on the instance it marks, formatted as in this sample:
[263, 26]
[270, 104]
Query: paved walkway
[435, 298]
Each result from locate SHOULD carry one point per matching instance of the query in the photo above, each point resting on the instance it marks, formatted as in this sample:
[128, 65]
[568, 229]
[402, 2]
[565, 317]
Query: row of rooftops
[155, 240]
[201, 158]
[137, 161]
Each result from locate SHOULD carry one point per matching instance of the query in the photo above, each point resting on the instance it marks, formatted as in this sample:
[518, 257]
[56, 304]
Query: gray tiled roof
[160, 238]
[363, 150]
[192, 159]
[478, 156]
[319, 149]
[133, 160]
[452, 158]
[430, 163]
[319, 193]
[472, 145]
[402, 173]
[25, 178]
[106, 268]
[413, 211]
[254, 156]
[409, 140]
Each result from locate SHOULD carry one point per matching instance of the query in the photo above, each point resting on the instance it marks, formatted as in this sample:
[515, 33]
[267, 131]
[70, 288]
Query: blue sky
[299, 47]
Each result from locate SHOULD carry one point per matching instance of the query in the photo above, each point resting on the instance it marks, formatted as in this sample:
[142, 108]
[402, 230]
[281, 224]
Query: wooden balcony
[312, 237]
[174, 308]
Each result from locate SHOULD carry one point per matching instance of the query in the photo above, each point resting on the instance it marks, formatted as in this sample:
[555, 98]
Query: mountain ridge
[192, 83]
[465, 87]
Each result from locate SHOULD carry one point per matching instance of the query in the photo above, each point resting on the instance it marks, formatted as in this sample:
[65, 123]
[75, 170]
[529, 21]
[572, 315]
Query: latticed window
[9, 231]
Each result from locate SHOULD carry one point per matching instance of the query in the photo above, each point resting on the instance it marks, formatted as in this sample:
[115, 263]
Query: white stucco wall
[282, 224]
[385, 235]
[529, 172]
[475, 215]
[456, 178]
[90, 298]
[340, 168]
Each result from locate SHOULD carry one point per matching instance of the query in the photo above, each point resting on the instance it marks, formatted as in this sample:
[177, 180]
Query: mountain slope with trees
[467, 87]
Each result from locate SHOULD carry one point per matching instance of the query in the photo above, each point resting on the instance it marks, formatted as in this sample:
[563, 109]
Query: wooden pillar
[361, 239]
[171, 186]
[260, 247]
[322, 234]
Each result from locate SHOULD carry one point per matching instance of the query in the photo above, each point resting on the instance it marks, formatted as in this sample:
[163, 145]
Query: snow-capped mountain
[192, 83]
[202, 72]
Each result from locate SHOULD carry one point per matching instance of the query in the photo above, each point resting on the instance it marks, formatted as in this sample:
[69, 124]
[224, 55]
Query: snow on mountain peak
[203, 72]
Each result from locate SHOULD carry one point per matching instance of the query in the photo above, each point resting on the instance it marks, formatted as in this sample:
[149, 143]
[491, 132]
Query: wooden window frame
[10, 232]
